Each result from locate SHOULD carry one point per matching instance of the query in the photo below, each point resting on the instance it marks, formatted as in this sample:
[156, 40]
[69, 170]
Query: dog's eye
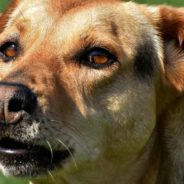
[98, 58]
[8, 51]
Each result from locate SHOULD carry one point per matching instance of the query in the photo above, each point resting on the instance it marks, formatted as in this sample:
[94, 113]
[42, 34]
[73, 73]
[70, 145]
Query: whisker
[77, 132]
[52, 177]
[51, 151]
[71, 154]
[72, 128]
[84, 145]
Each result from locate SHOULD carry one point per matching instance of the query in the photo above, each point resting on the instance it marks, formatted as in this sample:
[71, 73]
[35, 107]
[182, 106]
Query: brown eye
[98, 58]
[8, 51]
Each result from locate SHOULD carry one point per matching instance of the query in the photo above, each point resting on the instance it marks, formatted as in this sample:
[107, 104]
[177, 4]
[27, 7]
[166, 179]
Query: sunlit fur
[112, 117]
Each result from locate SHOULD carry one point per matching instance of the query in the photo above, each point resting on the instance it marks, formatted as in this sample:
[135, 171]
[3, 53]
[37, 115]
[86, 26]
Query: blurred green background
[171, 2]
[3, 5]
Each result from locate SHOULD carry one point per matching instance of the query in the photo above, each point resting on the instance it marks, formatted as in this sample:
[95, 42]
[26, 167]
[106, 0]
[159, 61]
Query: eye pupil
[98, 59]
[10, 50]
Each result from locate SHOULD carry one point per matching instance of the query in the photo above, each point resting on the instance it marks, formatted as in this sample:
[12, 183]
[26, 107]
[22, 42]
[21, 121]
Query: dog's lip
[10, 146]
[12, 150]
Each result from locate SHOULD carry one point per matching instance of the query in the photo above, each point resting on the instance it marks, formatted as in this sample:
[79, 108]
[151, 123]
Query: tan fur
[109, 116]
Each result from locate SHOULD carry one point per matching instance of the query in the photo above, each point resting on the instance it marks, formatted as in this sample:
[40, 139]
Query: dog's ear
[171, 26]
[5, 15]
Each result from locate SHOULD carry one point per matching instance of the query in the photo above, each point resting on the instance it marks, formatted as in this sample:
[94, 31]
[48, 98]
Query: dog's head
[79, 85]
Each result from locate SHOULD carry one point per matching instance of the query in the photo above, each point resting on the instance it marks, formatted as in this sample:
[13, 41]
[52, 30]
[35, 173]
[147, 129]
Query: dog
[87, 91]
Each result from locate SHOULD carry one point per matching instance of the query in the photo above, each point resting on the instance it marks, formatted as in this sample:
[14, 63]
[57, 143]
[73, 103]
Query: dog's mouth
[22, 159]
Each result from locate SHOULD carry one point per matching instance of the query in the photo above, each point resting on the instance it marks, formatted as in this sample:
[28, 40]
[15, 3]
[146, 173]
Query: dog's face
[79, 86]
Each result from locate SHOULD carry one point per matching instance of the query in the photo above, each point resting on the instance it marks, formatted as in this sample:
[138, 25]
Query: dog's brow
[114, 28]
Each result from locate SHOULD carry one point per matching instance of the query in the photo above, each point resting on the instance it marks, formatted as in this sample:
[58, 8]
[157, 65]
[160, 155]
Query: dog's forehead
[62, 16]
[80, 14]
[63, 6]
[47, 13]
[55, 7]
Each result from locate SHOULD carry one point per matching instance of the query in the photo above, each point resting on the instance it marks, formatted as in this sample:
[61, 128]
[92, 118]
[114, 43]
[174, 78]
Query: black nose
[15, 101]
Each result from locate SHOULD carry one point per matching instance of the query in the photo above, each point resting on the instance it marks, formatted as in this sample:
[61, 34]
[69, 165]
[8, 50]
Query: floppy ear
[171, 25]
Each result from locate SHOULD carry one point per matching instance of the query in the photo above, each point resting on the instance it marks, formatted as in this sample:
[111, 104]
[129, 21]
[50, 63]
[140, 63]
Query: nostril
[15, 105]
[30, 103]
[22, 100]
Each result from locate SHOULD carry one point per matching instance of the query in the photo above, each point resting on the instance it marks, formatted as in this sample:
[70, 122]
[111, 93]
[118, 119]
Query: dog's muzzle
[17, 103]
